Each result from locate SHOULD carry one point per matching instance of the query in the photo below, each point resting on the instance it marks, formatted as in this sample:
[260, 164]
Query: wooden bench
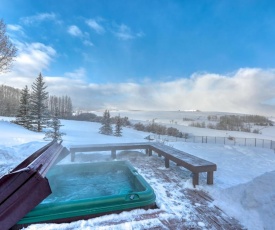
[195, 164]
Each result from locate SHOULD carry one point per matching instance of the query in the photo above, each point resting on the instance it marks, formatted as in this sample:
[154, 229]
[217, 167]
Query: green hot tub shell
[81, 191]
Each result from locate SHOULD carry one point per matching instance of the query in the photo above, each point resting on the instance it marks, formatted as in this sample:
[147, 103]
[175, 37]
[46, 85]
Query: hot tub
[81, 191]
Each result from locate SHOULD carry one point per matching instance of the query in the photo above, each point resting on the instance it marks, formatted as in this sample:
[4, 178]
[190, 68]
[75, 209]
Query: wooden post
[113, 153]
[150, 152]
[210, 177]
[72, 156]
[195, 179]
[166, 162]
[159, 154]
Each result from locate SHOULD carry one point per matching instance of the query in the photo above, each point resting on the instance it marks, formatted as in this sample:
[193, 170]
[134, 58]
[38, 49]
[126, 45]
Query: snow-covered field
[243, 184]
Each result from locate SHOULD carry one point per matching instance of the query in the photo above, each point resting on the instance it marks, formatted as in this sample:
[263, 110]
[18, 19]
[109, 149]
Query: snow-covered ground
[243, 184]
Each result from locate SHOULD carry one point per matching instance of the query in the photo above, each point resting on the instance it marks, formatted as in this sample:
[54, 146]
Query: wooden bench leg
[210, 177]
[195, 179]
[72, 156]
[113, 153]
[166, 162]
[159, 154]
[150, 152]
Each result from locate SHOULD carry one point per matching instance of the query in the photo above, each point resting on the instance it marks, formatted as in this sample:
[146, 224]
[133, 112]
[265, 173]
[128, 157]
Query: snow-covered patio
[243, 183]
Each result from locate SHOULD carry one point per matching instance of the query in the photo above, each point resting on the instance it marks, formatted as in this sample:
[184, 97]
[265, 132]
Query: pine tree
[23, 117]
[54, 133]
[106, 127]
[39, 112]
[118, 127]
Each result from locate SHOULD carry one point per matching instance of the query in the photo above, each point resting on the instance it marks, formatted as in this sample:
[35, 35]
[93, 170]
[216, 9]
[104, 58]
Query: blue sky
[106, 45]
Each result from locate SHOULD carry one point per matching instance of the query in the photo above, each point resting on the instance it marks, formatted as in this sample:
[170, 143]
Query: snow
[243, 184]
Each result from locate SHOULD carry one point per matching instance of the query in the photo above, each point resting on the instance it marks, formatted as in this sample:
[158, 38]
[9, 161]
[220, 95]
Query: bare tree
[7, 49]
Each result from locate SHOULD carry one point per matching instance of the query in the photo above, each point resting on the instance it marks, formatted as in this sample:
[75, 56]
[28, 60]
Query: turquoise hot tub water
[81, 191]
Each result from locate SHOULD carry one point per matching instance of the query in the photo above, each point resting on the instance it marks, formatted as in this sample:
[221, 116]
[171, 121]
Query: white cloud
[124, 32]
[14, 27]
[84, 36]
[79, 73]
[75, 31]
[32, 59]
[88, 43]
[121, 31]
[247, 91]
[39, 18]
[140, 34]
[15, 30]
[94, 24]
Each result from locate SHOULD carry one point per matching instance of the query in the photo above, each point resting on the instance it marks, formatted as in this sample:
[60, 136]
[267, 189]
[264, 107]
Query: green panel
[91, 188]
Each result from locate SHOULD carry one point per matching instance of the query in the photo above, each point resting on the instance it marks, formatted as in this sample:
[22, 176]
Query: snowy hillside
[243, 184]
[182, 119]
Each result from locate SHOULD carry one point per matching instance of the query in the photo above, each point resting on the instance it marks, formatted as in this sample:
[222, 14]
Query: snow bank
[12, 134]
[252, 203]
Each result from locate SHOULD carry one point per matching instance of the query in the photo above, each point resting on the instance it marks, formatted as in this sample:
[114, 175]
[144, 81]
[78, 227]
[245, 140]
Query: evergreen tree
[106, 127]
[39, 112]
[118, 127]
[23, 117]
[54, 133]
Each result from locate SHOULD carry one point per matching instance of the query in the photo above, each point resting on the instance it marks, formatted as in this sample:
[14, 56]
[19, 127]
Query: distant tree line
[9, 100]
[94, 118]
[159, 129]
[61, 107]
[238, 119]
[235, 123]
[10, 103]
[119, 122]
